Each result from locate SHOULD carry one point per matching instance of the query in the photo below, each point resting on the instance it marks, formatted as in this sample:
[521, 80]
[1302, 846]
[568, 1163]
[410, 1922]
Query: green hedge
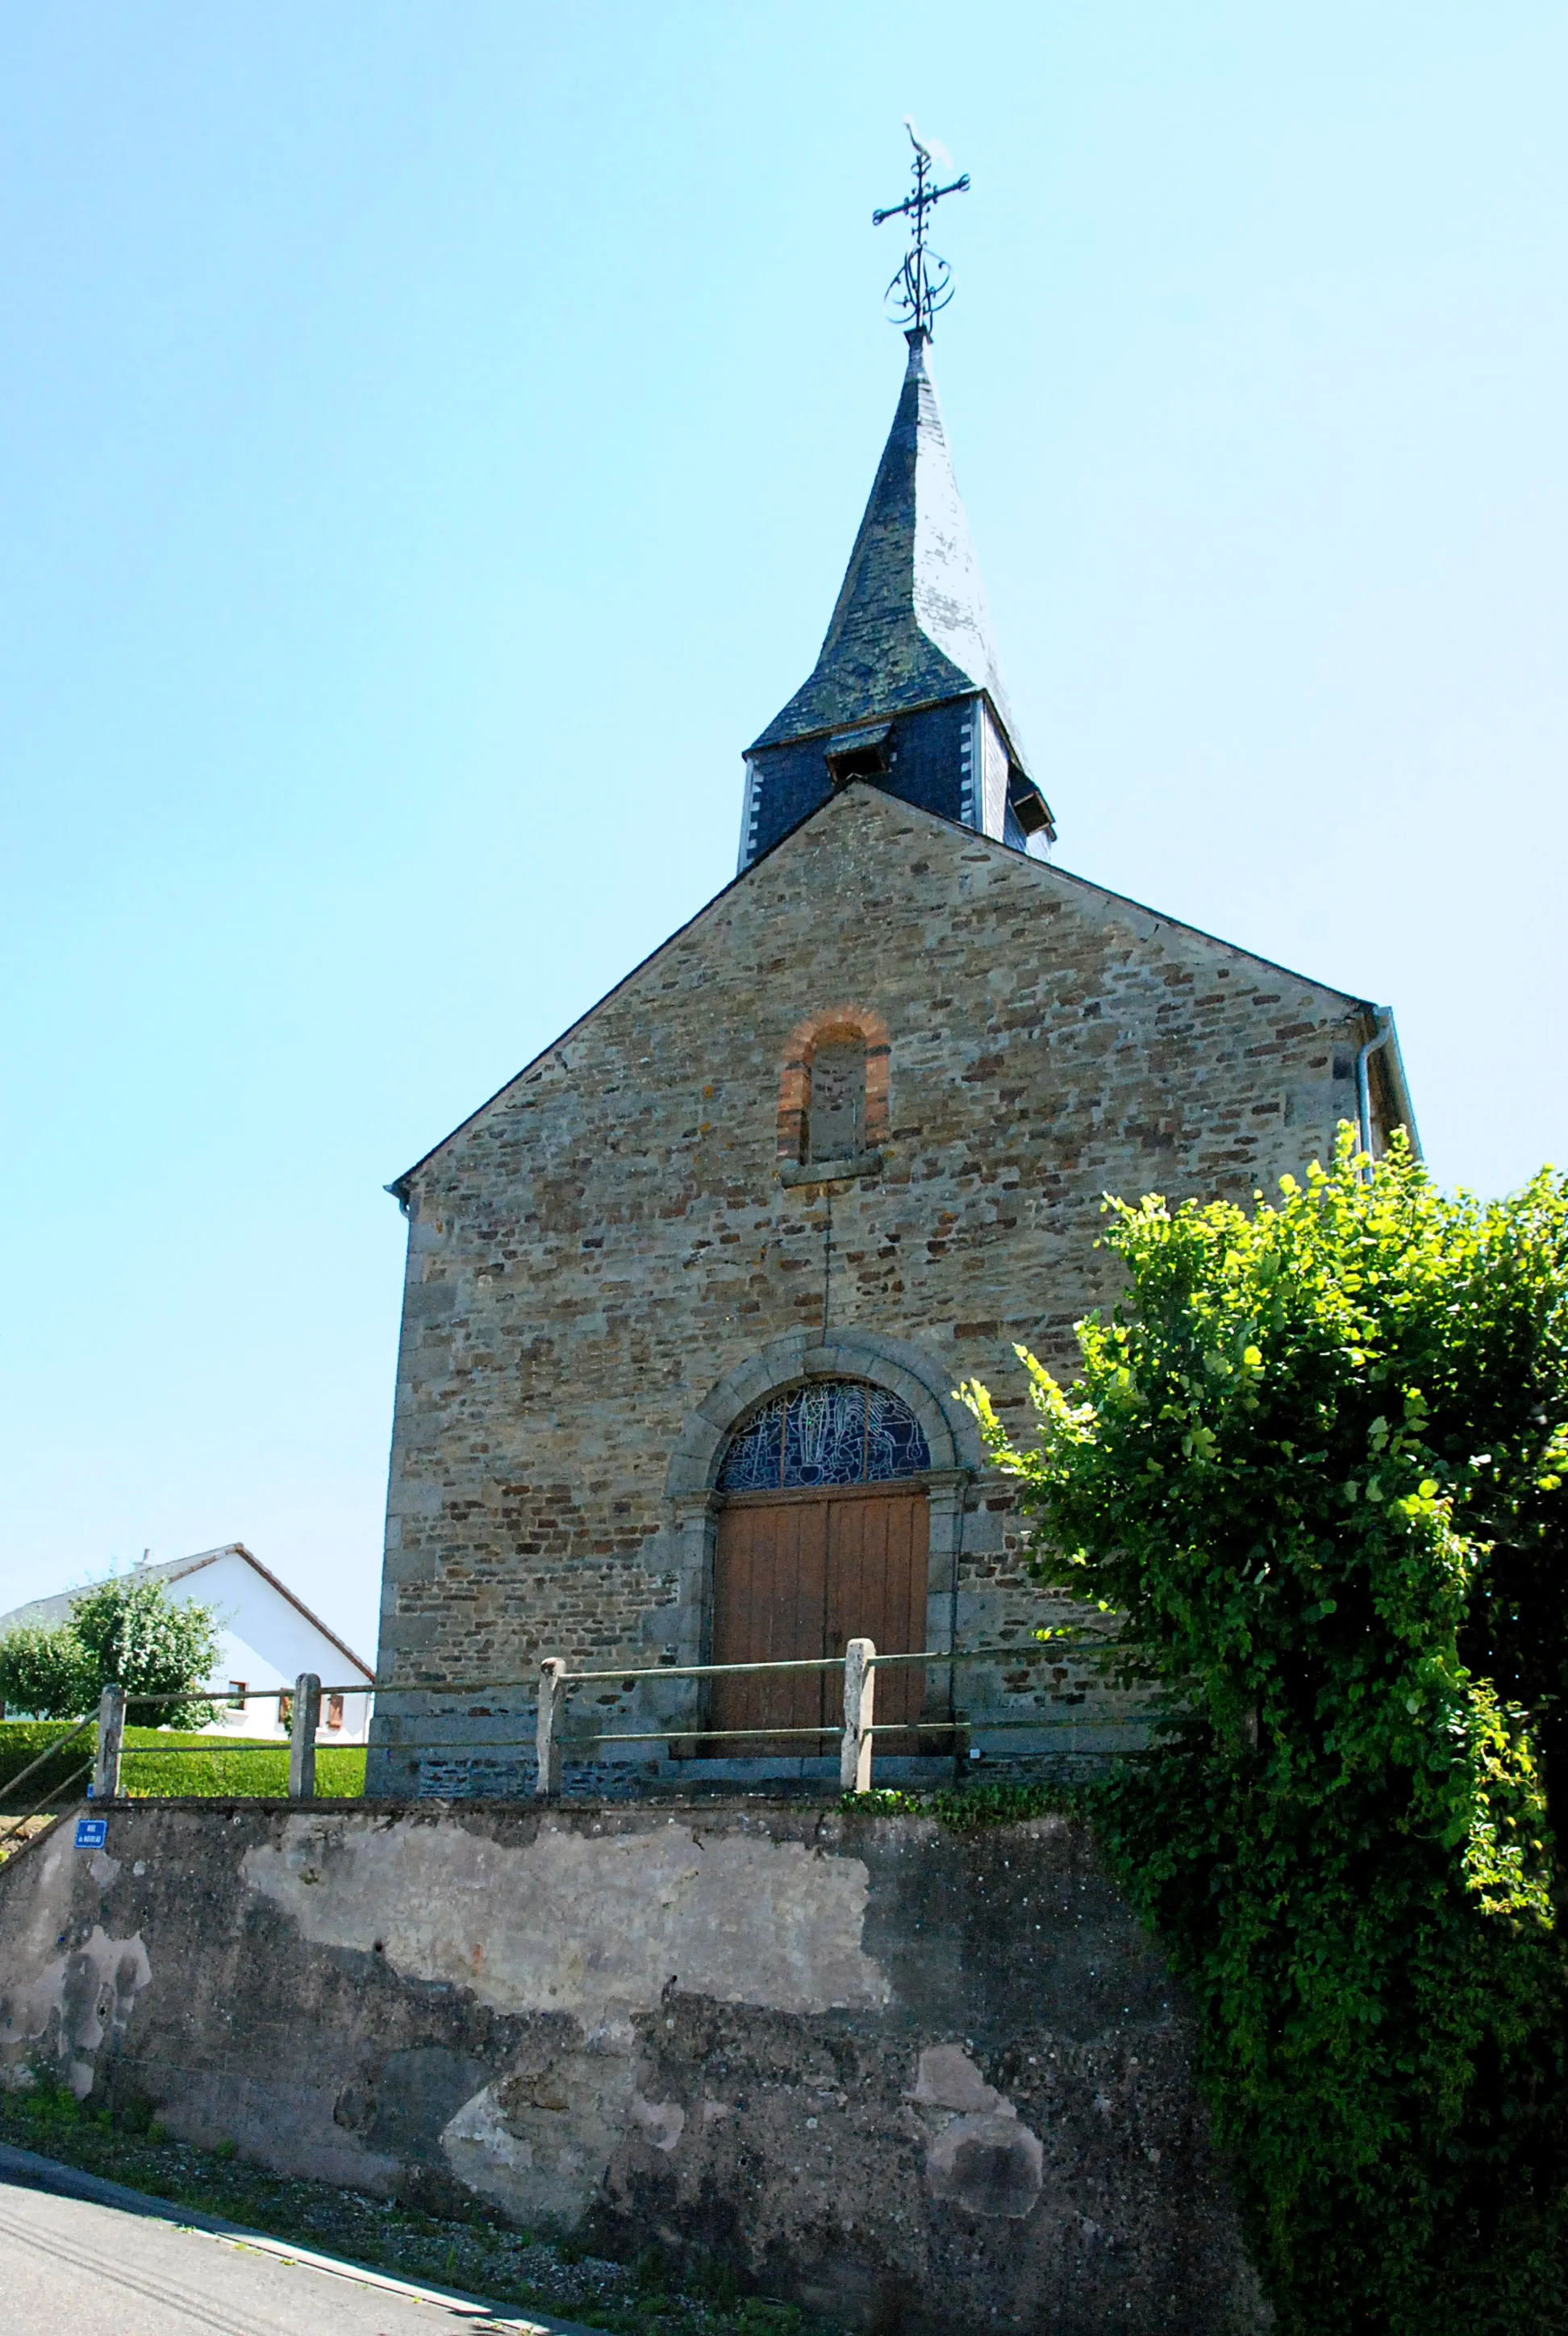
[21, 1742]
[163, 1761]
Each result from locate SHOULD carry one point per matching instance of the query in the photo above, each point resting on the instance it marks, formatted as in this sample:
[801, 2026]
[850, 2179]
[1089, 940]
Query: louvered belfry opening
[822, 1537]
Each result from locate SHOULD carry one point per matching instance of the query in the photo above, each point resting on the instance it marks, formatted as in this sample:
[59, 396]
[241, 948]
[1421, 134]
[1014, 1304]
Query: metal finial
[924, 283]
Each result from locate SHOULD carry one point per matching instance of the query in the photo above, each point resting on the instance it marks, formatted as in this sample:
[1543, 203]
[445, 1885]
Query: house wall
[266, 1643]
[913, 2080]
[263, 1639]
[609, 1240]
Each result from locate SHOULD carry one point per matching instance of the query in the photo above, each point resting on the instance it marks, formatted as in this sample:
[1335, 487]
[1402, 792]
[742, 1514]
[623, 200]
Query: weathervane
[924, 283]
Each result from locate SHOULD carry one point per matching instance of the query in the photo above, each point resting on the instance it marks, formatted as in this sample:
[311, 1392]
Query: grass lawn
[158, 1761]
[480, 2254]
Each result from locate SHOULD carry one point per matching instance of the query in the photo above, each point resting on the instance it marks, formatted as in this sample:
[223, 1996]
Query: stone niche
[916, 2080]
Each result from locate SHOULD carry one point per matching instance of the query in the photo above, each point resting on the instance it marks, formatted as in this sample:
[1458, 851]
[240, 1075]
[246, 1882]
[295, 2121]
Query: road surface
[76, 2263]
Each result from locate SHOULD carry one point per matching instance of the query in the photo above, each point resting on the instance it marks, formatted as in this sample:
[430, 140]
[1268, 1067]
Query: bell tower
[906, 690]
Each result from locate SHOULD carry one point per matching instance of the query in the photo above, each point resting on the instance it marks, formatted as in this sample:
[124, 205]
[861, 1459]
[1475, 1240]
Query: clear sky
[431, 438]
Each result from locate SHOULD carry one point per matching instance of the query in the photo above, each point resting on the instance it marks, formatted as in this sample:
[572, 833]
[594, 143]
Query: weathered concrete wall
[608, 1239]
[922, 2081]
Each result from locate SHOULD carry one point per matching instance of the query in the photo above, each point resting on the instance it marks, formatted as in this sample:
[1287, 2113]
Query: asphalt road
[75, 2264]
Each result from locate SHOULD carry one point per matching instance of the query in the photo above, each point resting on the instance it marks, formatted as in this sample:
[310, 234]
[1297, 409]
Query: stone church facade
[839, 1145]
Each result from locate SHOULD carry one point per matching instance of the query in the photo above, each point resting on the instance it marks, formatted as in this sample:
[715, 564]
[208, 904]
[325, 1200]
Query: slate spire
[910, 634]
[911, 625]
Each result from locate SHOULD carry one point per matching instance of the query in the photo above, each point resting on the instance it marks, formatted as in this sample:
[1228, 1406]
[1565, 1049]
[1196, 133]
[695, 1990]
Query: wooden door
[798, 1575]
[877, 1590]
[769, 1606]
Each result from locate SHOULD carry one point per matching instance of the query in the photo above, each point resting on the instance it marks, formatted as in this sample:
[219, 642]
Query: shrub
[127, 1632]
[21, 1742]
[46, 1672]
[136, 1634]
[1315, 1462]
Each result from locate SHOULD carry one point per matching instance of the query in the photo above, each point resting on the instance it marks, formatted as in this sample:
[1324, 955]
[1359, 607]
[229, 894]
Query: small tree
[126, 1631]
[46, 1673]
[1315, 1462]
[135, 1634]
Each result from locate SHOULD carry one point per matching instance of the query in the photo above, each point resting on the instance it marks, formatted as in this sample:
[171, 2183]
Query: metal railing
[57, 1791]
[105, 1767]
[305, 1700]
[859, 1664]
[856, 1735]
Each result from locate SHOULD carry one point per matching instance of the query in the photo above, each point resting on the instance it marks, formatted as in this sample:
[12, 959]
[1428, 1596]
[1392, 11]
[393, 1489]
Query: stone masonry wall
[920, 2082]
[601, 1244]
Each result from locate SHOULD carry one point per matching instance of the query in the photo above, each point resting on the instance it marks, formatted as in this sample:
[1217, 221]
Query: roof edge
[1391, 1061]
[177, 1569]
[399, 1186]
[762, 744]
[238, 1549]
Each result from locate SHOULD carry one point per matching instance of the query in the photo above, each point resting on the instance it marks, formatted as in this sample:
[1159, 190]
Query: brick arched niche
[846, 1048]
[906, 1370]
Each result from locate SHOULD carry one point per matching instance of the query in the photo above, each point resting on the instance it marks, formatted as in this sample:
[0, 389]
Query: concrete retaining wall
[915, 2079]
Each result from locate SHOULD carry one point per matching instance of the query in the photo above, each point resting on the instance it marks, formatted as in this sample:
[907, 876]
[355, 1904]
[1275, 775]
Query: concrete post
[111, 1738]
[302, 1736]
[860, 1685]
[551, 1698]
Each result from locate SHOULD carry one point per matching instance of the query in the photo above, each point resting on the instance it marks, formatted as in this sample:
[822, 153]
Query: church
[688, 1300]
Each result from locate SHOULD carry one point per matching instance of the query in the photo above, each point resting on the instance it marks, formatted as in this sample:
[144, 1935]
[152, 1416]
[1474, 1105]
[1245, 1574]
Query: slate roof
[911, 627]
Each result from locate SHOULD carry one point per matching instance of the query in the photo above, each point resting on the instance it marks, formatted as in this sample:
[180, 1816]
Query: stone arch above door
[950, 1433]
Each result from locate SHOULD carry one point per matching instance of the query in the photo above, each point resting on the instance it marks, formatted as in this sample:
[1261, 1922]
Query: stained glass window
[833, 1432]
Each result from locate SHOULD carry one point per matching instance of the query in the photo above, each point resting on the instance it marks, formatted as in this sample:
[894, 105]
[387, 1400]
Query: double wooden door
[799, 1574]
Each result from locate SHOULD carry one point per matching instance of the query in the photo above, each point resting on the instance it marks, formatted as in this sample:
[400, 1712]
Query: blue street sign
[91, 1833]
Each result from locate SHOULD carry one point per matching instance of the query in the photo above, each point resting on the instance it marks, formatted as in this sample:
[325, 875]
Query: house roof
[911, 628]
[46, 1613]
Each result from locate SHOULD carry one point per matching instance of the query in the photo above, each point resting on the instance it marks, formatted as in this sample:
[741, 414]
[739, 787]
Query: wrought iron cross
[924, 283]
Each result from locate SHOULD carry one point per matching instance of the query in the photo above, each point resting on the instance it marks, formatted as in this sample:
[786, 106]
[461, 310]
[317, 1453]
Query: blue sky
[431, 438]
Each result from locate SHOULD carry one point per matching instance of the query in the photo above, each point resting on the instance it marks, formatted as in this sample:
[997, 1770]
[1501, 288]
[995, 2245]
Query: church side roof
[1045, 870]
[911, 627]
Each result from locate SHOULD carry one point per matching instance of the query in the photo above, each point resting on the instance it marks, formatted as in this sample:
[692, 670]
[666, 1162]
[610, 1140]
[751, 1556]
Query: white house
[265, 1638]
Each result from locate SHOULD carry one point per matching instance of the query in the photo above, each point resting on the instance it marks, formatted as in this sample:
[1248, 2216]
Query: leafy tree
[136, 1634]
[1315, 1462]
[126, 1630]
[47, 1673]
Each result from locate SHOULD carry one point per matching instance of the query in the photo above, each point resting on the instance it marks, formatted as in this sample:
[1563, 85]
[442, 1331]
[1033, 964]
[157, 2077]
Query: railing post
[551, 1695]
[111, 1738]
[860, 1685]
[302, 1736]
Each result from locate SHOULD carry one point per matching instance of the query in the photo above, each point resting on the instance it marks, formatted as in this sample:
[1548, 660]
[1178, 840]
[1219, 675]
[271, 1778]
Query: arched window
[830, 1432]
[834, 1093]
[836, 1102]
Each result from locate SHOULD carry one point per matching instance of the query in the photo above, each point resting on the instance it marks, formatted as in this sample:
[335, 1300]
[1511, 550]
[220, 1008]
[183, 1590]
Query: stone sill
[831, 1172]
